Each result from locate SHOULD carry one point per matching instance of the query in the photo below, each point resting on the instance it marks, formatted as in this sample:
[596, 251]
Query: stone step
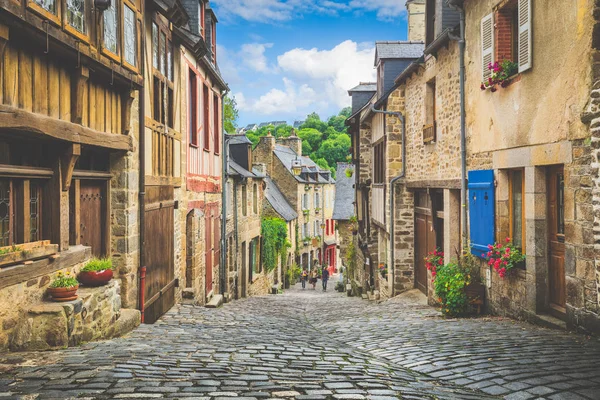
[365, 296]
[128, 321]
[549, 321]
[215, 302]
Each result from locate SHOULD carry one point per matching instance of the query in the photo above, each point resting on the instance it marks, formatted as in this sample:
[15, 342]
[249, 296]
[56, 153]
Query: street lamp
[297, 166]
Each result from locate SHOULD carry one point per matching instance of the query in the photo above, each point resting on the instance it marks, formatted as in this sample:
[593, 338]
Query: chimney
[416, 20]
[263, 152]
[293, 142]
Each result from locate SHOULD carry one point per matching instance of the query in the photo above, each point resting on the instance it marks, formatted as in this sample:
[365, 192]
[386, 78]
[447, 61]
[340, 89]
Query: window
[205, 105]
[76, 15]
[517, 208]
[429, 130]
[20, 211]
[110, 39]
[506, 35]
[48, 5]
[129, 36]
[229, 198]
[255, 198]
[379, 162]
[216, 130]
[244, 200]
[214, 41]
[254, 265]
[305, 205]
[193, 108]
[430, 22]
[317, 202]
[162, 63]
[201, 8]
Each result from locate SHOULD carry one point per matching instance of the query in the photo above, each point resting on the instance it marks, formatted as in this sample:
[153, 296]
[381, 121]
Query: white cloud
[291, 99]
[228, 66]
[253, 55]
[277, 11]
[334, 71]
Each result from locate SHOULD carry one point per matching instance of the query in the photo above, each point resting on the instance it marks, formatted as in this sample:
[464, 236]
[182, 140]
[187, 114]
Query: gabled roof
[235, 169]
[364, 87]
[278, 201]
[397, 49]
[286, 155]
[343, 207]
[238, 139]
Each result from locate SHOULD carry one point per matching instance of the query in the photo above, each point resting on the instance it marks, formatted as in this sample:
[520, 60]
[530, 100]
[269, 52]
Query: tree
[313, 121]
[337, 122]
[230, 114]
[312, 136]
[334, 150]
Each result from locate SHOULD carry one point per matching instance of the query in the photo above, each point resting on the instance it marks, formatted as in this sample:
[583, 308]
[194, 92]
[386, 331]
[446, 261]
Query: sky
[284, 59]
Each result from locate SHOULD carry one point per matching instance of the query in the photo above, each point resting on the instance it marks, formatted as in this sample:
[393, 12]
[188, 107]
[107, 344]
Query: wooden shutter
[481, 210]
[487, 45]
[524, 35]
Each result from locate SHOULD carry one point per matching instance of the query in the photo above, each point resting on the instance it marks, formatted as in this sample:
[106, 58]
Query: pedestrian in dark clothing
[325, 277]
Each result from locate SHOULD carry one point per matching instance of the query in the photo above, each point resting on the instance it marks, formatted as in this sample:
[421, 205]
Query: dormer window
[201, 16]
[214, 41]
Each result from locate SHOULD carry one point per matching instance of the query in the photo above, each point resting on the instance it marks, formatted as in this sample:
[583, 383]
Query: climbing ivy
[274, 234]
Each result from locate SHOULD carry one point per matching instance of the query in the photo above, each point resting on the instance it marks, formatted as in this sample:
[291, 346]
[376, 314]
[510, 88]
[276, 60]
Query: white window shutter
[487, 45]
[525, 57]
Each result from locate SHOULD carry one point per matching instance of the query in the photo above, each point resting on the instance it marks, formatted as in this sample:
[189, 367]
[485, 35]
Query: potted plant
[97, 272]
[317, 210]
[64, 287]
[383, 270]
[349, 172]
[306, 212]
[504, 258]
[501, 74]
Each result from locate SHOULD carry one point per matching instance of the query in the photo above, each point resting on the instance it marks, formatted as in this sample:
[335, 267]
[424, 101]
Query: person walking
[304, 277]
[313, 278]
[325, 278]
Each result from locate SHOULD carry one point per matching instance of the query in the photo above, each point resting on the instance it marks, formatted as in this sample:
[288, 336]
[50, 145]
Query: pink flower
[441, 261]
[493, 89]
[490, 246]
[489, 253]
[482, 255]
[507, 240]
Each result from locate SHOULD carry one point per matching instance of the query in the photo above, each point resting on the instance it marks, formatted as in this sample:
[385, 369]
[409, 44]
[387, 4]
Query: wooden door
[244, 271]
[159, 252]
[425, 237]
[556, 240]
[92, 201]
[208, 240]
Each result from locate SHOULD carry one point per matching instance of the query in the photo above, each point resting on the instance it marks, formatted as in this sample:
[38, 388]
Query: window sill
[194, 145]
[24, 272]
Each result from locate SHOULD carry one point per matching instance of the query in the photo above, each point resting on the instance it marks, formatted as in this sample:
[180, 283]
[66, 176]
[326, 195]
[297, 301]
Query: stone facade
[416, 20]
[531, 127]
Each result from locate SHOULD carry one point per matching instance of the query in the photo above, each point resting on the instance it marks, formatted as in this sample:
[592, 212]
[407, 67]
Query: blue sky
[286, 58]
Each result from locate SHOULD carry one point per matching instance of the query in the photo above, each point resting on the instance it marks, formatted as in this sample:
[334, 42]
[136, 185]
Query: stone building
[200, 193]
[536, 135]
[416, 20]
[69, 152]
[427, 197]
[303, 184]
[245, 197]
[343, 211]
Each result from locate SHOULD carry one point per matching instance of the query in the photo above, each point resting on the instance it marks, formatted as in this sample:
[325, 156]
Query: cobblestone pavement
[314, 345]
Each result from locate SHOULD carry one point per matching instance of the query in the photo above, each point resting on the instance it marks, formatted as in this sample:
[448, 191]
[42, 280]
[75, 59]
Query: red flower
[490, 246]
[440, 261]
[507, 240]
[482, 87]
[493, 89]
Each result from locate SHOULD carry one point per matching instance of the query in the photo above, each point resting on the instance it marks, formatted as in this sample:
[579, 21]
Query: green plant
[503, 257]
[450, 285]
[11, 249]
[274, 234]
[349, 172]
[351, 261]
[353, 219]
[97, 265]
[306, 212]
[294, 272]
[64, 281]
[433, 260]
[501, 74]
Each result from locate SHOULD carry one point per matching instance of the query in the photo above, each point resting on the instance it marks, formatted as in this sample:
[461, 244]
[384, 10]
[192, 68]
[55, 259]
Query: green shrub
[274, 234]
[97, 265]
[450, 283]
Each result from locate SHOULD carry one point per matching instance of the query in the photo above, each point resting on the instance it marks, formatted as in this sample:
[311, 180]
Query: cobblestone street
[314, 345]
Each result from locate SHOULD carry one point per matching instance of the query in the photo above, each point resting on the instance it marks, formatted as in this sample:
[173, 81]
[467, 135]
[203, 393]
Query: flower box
[25, 252]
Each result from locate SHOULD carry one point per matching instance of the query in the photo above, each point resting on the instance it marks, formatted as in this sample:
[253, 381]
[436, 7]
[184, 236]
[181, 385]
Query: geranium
[501, 73]
[503, 257]
[434, 260]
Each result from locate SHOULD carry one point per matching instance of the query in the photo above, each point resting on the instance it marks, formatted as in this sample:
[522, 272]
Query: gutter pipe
[400, 116]
[223, 244]
[457, 5]
[142, 180]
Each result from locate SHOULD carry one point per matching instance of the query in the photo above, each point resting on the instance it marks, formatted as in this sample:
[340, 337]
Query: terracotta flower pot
[95, 278]
[63, 294]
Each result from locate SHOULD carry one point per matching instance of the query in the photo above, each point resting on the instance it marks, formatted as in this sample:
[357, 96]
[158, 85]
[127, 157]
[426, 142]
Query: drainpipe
[142, 180]
[224, 152]
[237, 243]
[457, 5]
[400, 116]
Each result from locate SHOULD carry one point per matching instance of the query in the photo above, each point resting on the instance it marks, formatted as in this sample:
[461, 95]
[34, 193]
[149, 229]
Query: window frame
[206, 117]
[166, 111]
[255, 199]
[84, 36]
[105, 51]
[54, 18]
[193, 108]
[137, 17]
[244, 200]
[216, 123]
[511, 208]
[379, 161]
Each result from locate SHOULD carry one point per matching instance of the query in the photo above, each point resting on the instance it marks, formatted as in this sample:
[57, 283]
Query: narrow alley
[308, 344]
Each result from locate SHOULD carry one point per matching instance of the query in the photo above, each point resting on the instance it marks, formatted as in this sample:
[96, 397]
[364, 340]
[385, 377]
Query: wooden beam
[68, 160]
[14, 119]
[74, 214]
[22, 273]
[4, 35]
[126, 111]
[434, 184]
[14, 171]
[80, 79]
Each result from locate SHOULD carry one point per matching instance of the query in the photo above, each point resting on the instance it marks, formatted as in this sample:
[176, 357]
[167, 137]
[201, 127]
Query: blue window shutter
[482, 202]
